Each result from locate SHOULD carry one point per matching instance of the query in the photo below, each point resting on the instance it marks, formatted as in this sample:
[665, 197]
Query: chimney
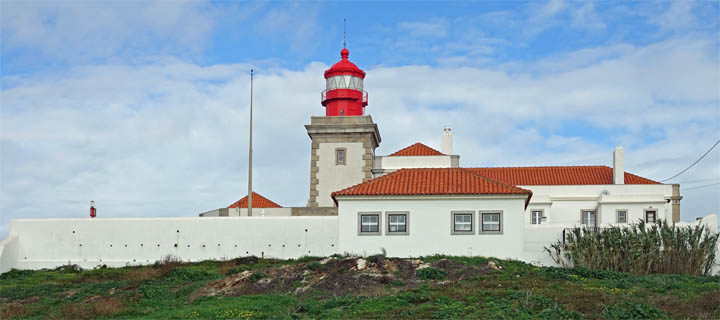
[447, 141]
[619, 165]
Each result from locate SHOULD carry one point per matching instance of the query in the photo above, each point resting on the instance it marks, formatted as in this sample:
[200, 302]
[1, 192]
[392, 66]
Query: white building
[416, 201]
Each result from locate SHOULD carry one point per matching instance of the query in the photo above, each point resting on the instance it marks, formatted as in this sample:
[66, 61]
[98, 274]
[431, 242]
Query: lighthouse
[344, 94]
[343, 142]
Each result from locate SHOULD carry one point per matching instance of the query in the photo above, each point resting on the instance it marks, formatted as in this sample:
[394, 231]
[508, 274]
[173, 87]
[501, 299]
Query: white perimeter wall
[429, 225]
[257, 212]
[47, 243]
[399, 162]
[333, 177]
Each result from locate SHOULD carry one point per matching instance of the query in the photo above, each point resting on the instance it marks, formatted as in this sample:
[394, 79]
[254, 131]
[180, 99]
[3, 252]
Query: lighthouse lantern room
[344, 94]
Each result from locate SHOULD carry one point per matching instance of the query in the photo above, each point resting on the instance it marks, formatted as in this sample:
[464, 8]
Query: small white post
[619, 165]
[447, 142]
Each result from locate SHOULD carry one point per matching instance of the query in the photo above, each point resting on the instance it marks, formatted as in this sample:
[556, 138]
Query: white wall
[562, 205]
[257, 212]
[8, 253]
[429, 226]
[332, 177]
[392, 163]
[47, 243]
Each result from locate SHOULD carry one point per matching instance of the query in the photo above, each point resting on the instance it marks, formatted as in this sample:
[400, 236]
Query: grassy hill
[351, 287]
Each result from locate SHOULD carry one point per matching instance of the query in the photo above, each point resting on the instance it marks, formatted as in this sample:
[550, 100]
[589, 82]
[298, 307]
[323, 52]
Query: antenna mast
[251, 150]
[344, 33]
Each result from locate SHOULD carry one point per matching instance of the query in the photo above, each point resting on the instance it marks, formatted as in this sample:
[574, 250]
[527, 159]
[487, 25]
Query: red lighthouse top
[344, 94]
[344, 67]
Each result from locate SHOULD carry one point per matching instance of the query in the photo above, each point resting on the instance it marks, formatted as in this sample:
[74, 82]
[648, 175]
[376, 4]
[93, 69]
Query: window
[491, 222]
[340, 155]
[622, 216]
[369, 223]
[588, 218]
[537, 216]
[462, 222]
[397, 223]
[650, 216]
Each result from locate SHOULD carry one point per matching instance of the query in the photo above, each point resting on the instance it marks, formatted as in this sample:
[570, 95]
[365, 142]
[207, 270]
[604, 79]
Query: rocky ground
[342, 287]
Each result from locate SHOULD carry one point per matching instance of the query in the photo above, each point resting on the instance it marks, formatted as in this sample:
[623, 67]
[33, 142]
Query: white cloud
[170, 138]
[585, 17]
[297, 23]
[677, 17]
[77, 31]
[435, 28]
[549, 9]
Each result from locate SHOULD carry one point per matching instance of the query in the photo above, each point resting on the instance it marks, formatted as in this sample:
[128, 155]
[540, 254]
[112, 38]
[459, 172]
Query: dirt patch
[374, 275]
[708, 302]
[29, 300]
[458, 271]
[142, 274]
[704, 306]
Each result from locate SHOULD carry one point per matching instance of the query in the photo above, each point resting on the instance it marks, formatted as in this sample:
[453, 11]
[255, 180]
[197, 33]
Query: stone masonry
[341, 130]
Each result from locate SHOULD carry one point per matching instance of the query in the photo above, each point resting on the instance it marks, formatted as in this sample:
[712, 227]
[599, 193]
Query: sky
[142, 106]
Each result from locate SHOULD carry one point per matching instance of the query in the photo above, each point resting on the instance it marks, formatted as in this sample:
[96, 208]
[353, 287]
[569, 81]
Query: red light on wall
[93, 211]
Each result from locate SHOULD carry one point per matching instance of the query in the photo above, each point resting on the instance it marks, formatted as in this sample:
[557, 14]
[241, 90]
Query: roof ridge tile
[416, 149]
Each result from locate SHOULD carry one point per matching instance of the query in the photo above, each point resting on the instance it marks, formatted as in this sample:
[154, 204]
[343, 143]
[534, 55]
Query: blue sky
[141, 106]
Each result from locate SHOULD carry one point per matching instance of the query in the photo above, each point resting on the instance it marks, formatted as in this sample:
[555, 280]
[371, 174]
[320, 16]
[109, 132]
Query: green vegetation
[431, 273]
[451, 287]
[639, 249]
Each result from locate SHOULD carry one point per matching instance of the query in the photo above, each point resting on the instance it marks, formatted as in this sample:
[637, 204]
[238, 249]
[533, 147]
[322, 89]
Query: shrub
[186, 274]
[315, 266]
[68, 268]
[431, 273]
[376, 259]
[633, 310]
[246, 260]
[639, 249]
[397, 283]
[15, 274]
[256, 276]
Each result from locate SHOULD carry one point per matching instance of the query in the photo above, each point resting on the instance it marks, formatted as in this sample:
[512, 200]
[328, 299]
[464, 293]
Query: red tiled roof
[567, 175]
[431, 181]
[258, 202]
[417, 149]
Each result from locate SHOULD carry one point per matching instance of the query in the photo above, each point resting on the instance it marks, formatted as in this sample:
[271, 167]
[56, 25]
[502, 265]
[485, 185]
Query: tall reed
[639, 249]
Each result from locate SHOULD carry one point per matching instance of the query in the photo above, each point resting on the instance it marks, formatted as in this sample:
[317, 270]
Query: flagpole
[250, 152]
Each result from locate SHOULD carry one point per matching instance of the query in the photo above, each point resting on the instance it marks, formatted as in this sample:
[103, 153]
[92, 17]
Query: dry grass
[12, 310]
[142, 274]
[160, 269]
[94, 308]
[75, 311]
[167, 265]
[108, 307]
[224, 267]
[639, 249]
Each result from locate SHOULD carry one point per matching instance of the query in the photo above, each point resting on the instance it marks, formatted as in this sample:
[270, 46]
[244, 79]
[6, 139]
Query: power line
[703, 186]
[694, 163]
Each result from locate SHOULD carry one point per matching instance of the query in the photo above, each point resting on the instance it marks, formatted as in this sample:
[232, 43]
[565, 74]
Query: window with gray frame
[369, 223]
[340, 155]
[462, 222]
[650, 216]
[622, 216]
[537, 216]
[491, 222]
[397, 223]
[588, 218]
